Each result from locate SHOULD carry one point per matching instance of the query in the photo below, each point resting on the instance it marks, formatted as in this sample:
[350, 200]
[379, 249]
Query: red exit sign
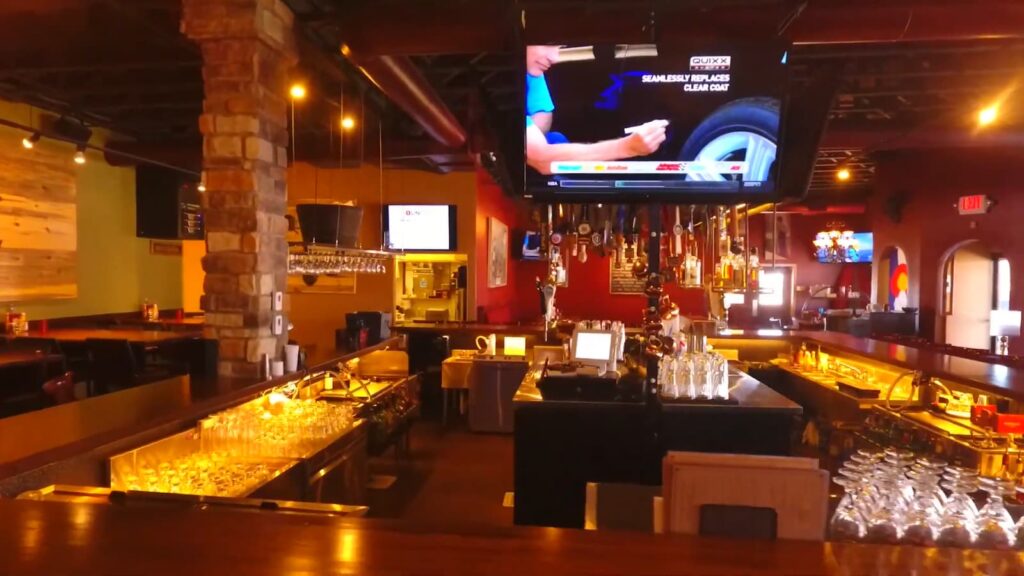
[973, 204]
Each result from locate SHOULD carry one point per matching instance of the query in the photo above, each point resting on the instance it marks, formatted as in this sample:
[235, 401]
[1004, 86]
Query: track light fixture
[30, 141]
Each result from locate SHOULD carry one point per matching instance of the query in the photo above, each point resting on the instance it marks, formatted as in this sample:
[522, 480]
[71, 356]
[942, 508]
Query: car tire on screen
[742, 130]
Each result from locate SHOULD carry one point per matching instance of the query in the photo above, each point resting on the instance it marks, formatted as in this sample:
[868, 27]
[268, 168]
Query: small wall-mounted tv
[420, 227]
[863, 251]
[531, 246]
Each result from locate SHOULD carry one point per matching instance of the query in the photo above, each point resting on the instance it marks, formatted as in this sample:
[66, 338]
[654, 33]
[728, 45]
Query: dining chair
[115, 366]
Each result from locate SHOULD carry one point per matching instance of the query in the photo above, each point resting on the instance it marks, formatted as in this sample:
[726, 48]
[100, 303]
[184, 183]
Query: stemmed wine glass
[995, 527]
[848, 521]
[958, 521]
[922, 519]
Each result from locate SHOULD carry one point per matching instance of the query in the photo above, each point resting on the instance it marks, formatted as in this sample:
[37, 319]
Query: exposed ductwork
[399, 79]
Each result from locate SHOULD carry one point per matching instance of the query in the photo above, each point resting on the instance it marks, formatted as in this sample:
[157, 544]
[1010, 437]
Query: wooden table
[77, 538]
[187, 322]
[11, 359]
[133, 335]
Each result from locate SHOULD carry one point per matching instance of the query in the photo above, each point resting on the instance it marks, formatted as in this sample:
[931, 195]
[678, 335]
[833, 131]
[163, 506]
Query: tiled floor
[451, 478]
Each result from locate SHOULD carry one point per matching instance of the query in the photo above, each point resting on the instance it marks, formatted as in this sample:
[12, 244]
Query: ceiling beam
[391, 28]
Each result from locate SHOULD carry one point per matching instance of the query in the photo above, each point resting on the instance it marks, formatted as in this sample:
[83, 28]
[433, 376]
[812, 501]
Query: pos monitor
[593, 349]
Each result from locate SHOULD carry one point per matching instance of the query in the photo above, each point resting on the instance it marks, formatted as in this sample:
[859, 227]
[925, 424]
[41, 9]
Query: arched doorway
[972, 283]
[892, 279]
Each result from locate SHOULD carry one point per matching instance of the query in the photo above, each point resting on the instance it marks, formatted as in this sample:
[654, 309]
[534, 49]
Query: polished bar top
[995, 378]
[77, 538]
[750, 393]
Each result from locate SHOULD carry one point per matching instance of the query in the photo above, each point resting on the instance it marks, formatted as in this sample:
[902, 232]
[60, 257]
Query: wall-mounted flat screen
[860, 250]
[531, 246]
[420, 227]
[633, 122]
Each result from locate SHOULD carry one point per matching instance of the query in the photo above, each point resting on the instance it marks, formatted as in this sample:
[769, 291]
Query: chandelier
[835, 244]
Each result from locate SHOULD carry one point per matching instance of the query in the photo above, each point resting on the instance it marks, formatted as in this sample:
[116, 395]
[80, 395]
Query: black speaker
[330, 224]
[463, 280]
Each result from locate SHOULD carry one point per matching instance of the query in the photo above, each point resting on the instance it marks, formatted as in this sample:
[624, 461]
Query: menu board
[191, 221]
[621, 280]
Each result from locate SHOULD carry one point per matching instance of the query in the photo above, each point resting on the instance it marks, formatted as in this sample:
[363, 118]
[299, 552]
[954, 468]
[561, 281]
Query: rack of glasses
[892, 497]
[693, 376]
[319, 260]
[236, 451]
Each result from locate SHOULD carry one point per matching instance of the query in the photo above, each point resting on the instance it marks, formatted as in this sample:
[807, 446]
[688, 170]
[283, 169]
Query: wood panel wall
[38, 221]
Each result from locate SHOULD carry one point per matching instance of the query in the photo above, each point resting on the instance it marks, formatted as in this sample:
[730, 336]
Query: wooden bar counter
[561, 445]
[77, 538]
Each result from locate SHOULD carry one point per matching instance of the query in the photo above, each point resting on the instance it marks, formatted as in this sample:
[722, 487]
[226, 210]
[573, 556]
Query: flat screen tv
[685, 124]
[863, 250]
[420, 227]
[531, 246]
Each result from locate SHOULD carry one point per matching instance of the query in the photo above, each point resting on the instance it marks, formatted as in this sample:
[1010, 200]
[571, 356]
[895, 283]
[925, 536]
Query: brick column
[248, 49]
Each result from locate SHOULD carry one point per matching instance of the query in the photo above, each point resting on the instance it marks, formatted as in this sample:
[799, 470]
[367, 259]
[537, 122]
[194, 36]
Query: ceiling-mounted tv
[420, 227]
[687, 124]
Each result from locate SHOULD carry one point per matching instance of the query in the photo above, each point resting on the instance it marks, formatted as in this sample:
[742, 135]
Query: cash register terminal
[590, 374]
[592, 351]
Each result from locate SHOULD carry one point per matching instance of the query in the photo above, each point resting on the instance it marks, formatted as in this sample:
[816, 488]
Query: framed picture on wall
[497, 253]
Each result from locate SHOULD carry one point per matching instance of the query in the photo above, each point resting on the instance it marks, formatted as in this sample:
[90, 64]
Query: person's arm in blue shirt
[540, 154]
[539, 106]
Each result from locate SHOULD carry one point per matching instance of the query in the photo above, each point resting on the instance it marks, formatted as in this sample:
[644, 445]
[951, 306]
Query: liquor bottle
[724, 267]
[691, 262]
[754, 266]
[739, 263]
[725, 271]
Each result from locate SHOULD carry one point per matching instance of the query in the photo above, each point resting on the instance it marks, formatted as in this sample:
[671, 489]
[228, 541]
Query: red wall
[810, 272]
[930, 226]
[496, 305]
[588, 295]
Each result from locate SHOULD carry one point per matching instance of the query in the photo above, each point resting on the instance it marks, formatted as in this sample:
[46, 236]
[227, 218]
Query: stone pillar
[248, 49]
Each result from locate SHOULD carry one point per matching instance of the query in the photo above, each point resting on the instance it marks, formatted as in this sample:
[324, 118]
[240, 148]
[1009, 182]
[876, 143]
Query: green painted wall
[116, 272]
